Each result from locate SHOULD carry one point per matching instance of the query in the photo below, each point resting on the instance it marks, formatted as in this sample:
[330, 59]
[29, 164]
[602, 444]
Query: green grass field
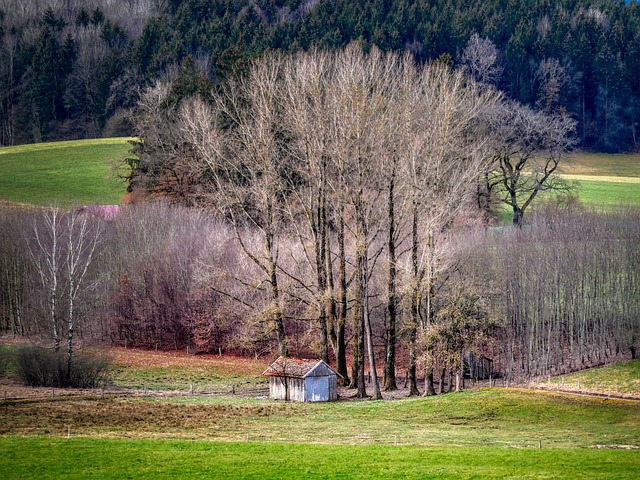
[82, 172]
[159, 459]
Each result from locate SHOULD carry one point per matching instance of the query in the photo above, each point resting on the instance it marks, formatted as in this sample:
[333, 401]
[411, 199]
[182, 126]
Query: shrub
[41, 367]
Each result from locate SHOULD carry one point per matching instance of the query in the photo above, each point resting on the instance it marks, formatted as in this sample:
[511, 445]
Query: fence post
[53, 393]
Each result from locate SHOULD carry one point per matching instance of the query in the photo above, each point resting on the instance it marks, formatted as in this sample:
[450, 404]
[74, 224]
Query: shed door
[317, 389]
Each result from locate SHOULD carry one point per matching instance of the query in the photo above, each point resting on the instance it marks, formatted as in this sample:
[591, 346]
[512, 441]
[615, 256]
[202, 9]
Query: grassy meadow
[82, 172]
[159, 459]
[484, 433]
[85, 172]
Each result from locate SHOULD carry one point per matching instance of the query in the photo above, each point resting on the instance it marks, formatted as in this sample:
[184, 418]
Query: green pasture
[480, 433]
[621, 378]
[82, 172]
[158, 459]
[180, 378]
[607, 193]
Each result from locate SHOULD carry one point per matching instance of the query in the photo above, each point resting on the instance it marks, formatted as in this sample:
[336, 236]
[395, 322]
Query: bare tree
[63, 248]
[479, 60]
[527, 148]
[247, 165]
[444, 156]
[552, 79]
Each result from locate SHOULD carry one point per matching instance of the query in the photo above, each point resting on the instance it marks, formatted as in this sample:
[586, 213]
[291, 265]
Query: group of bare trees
[365, 159]
[559, 295]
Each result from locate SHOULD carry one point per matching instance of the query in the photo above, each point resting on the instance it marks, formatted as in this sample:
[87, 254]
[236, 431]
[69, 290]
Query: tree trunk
[278, 317]
[390, 346]
[413, 326]
[341, 348]
[321, 272]
[429, 388]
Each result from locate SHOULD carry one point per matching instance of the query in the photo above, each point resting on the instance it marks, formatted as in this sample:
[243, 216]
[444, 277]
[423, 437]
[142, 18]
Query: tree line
[170, 277]
[74, 69]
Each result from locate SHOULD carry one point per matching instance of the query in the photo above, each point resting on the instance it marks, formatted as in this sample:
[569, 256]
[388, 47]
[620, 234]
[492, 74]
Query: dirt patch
[124, 416]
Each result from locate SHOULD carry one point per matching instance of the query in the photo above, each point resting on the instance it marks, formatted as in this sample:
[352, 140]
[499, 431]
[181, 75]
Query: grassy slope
[621, 378]
[69, 173]
[498, 418]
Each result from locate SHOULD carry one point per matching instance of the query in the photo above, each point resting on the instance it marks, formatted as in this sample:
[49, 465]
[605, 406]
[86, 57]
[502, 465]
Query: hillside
[73, 69]
[83, 172]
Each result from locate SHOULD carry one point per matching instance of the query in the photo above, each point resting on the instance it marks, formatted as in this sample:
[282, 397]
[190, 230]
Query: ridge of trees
[70, 69]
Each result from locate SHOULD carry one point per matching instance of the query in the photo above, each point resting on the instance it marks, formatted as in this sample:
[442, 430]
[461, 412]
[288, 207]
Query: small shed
[478, 367]
[302, 380]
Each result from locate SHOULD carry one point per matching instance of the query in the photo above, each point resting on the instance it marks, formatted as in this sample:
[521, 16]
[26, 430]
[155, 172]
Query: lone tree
[527, 148]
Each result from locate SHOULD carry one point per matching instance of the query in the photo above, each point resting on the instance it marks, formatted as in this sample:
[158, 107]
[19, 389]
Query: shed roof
[295, 367]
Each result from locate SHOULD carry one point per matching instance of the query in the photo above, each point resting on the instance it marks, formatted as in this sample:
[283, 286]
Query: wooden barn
[477, 367]
[302, 380]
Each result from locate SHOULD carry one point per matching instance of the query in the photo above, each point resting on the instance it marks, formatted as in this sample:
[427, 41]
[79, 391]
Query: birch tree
[62, 250]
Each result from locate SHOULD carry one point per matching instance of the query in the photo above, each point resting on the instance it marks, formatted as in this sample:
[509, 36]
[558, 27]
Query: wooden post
[578, 383]
[395, 440]
[68, 431]
[53, 393]
[539, 443]
[191, 389]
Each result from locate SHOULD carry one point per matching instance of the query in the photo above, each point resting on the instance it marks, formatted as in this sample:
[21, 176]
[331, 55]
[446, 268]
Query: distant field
[605, 180]
[602, 164]
[69, 173]
[84, 173]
